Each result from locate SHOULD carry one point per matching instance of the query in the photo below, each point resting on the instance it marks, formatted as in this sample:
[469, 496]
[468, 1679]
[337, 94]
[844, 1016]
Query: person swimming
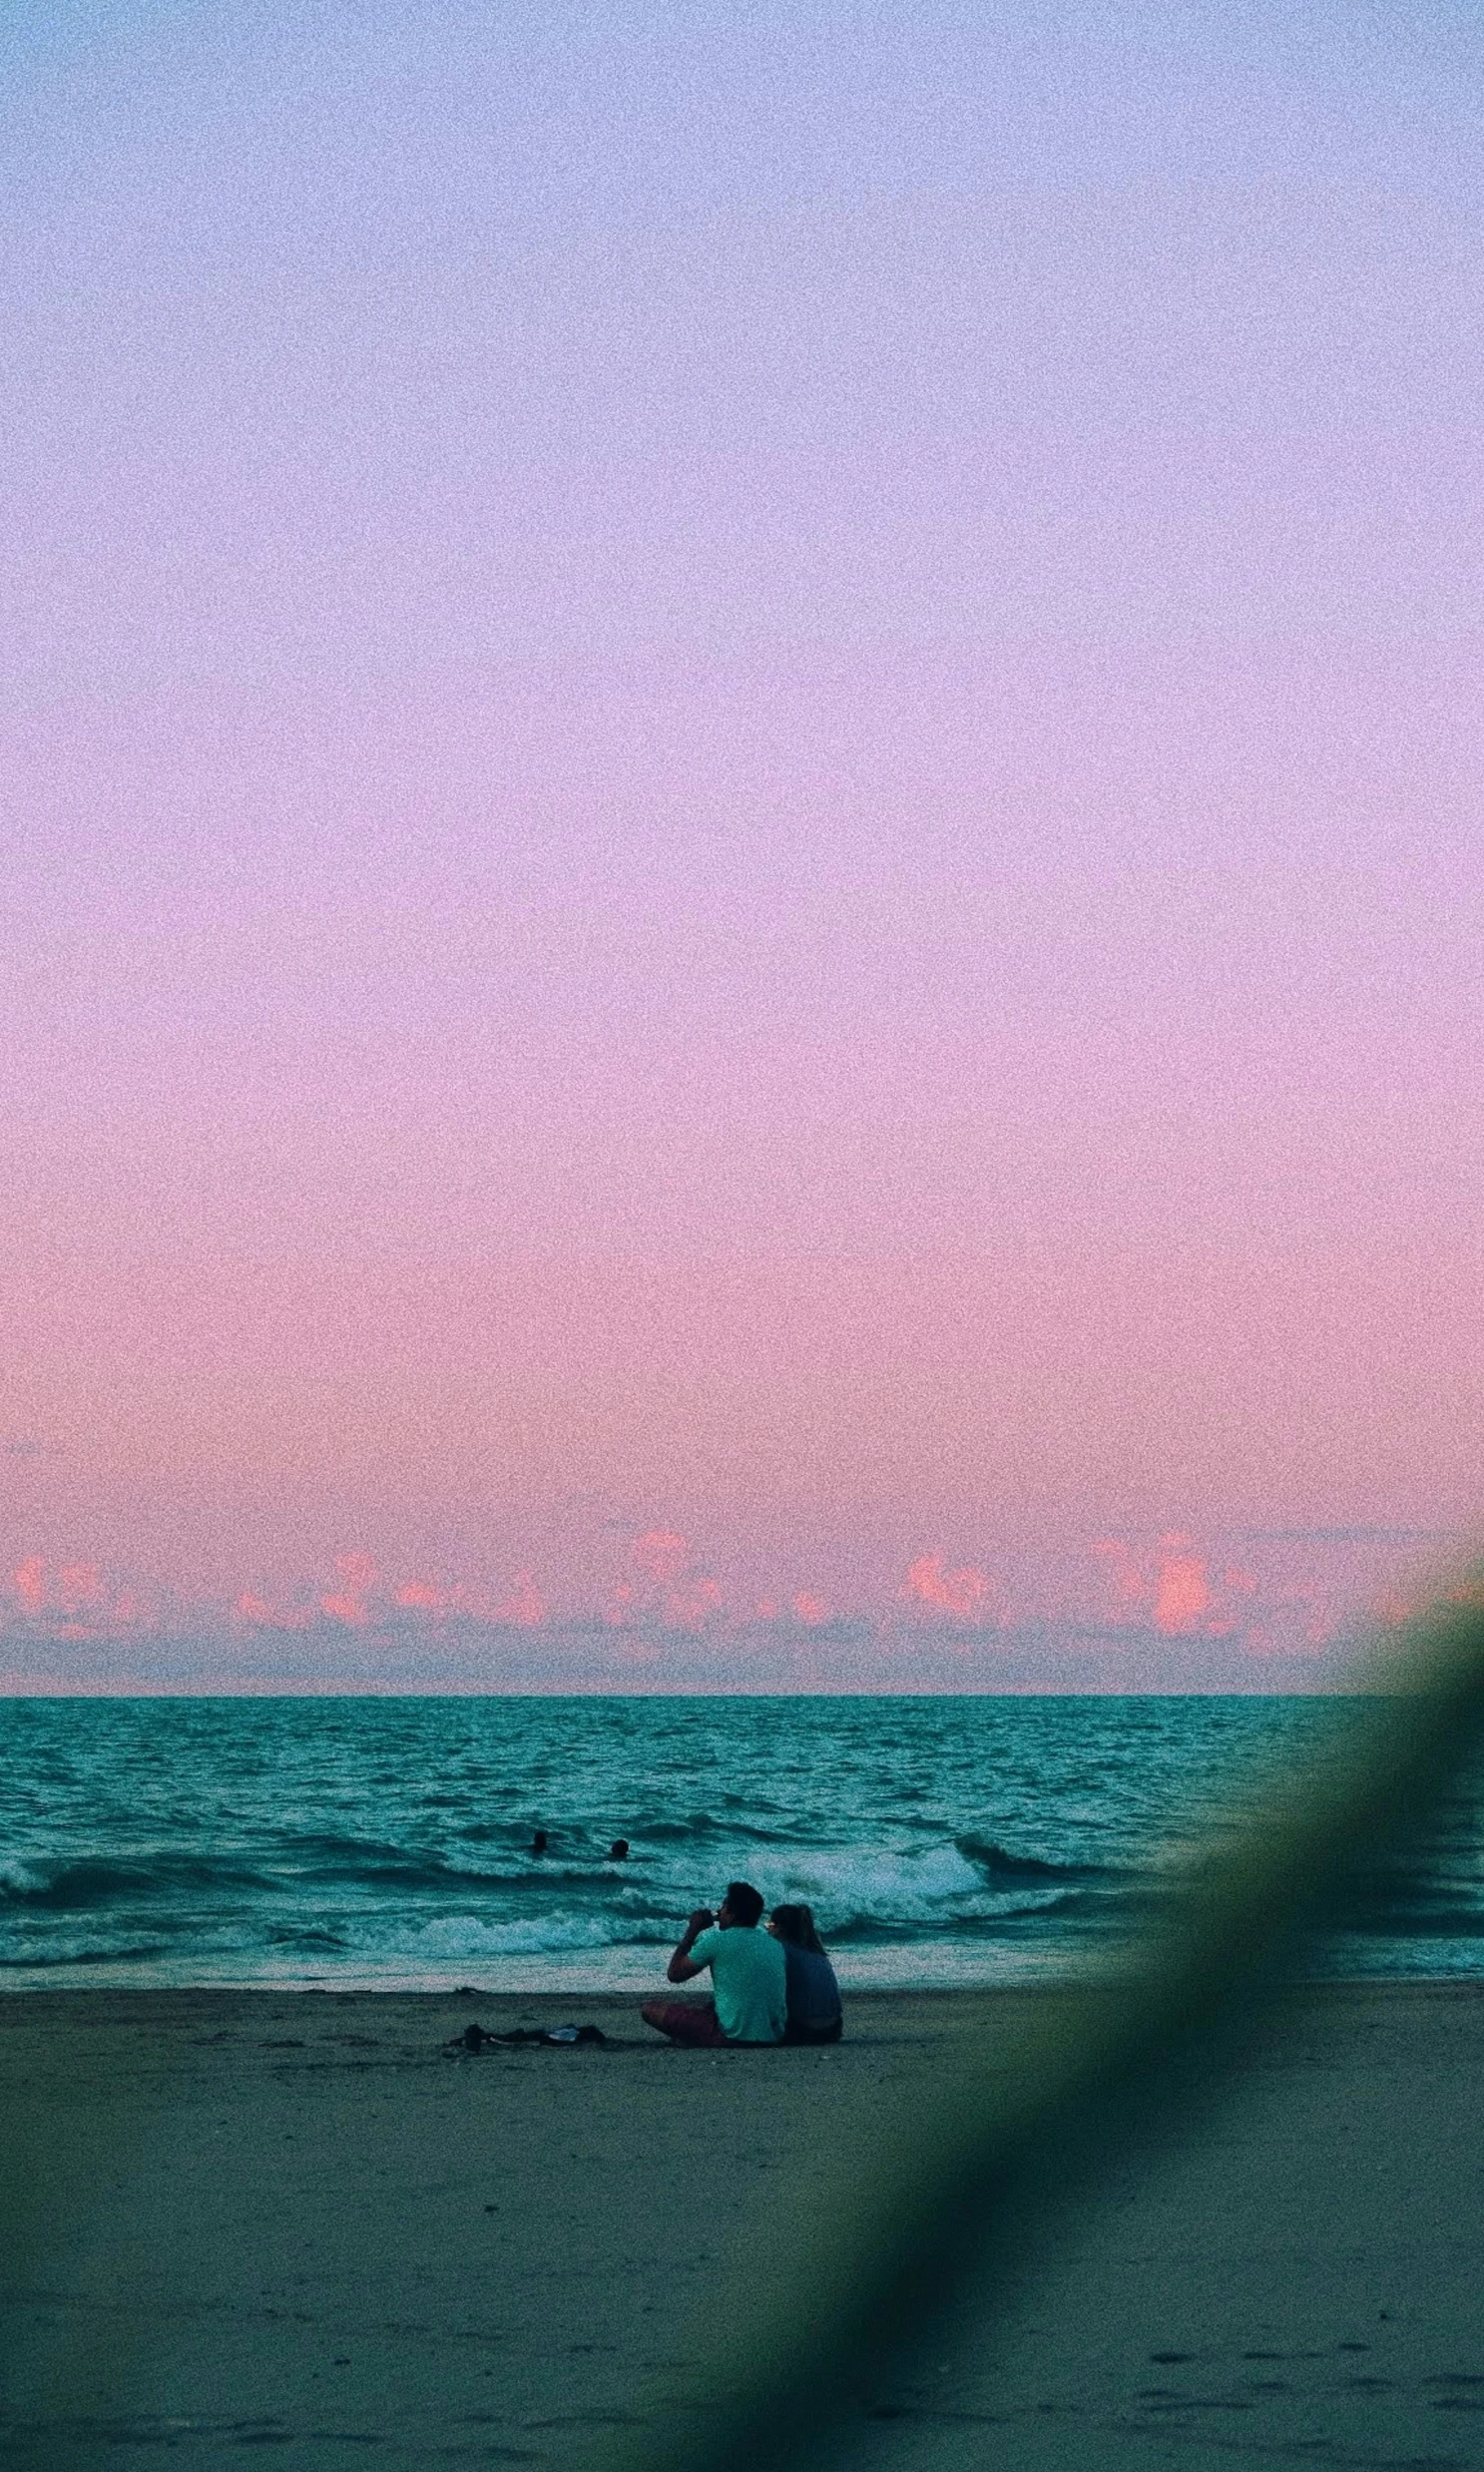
[814, 2011]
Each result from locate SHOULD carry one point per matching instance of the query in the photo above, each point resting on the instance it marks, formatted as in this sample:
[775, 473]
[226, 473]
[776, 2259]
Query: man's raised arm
[680, 1968]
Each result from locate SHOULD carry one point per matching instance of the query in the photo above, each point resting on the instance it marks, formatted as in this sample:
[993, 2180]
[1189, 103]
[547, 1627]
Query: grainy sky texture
[743, 805]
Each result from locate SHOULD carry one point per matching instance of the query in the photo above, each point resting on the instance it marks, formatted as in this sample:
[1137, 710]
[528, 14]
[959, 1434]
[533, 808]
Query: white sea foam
[891, 1885]
[457, 1938]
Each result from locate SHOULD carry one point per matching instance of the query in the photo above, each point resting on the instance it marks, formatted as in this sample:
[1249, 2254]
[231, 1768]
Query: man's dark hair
[743, 1901]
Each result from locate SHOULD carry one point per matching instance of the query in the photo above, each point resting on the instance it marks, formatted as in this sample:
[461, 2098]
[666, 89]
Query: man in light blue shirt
[749, 1980]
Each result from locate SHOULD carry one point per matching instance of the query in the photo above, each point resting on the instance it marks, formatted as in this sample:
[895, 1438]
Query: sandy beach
[248, 2218]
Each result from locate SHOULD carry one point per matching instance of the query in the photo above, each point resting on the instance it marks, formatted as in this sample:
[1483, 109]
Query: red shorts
[687, 2021]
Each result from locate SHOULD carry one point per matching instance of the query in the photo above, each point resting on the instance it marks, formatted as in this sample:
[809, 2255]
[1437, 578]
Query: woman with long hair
[815, 2014]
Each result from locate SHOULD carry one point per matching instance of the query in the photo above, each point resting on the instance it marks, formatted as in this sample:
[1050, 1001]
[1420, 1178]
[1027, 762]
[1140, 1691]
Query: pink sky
[741, 800]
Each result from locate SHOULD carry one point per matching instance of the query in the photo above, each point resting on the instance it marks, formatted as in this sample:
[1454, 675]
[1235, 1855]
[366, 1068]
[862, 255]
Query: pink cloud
[1389, 1605]
[809, 1609]
[525, 1604]
[421, 1596]
[694, 1602]
[75, 1599]
[358, 1575]
[961, 1592]
[1130, 1590]
[30, 1584]
[435, 1602]
[663, 1586]
[1183, 1597]
[1299, 1621]
[79, 1590]
[256, 1610]
[1173, 1589]
[660, 1553]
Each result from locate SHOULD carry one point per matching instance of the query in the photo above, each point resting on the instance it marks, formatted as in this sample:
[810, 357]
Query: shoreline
[429, 1996]
[1039, 1978]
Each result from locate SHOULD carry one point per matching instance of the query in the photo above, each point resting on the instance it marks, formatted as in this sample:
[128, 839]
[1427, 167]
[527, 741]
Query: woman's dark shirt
[814, 1993]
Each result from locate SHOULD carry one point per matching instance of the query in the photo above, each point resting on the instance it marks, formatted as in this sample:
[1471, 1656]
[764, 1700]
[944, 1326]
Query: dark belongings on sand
[478, 2039]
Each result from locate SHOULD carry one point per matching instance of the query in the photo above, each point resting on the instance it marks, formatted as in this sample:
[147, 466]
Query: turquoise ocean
[387, 1842]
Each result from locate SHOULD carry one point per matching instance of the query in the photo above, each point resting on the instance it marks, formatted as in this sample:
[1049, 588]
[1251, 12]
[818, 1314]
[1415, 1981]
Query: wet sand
[248, 2220]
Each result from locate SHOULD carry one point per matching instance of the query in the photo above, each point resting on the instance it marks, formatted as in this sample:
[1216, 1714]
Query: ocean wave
[435, 1874]
[922, 1891]
[998, 1863]
[146, 1953]
[704, 1828]
[67, 1883]
[73, 1884]
[853, 1931]
[464, 1938]
[326, 1845]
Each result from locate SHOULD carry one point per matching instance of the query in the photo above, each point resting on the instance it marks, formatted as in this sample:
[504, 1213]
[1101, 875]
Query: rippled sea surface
[389, 1842]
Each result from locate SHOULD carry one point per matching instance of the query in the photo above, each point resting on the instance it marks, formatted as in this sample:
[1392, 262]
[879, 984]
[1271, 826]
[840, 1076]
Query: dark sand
[248, 2221]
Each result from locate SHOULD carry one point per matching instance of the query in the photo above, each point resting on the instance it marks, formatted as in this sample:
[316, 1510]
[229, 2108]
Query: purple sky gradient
[741, 795]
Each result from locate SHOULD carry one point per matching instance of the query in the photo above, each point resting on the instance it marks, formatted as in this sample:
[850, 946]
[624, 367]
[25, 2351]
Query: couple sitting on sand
[773, 1986]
